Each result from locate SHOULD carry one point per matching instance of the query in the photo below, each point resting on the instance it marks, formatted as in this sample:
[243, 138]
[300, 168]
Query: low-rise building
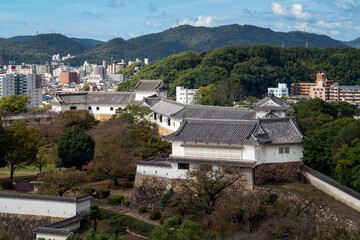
[281, 91]
[185, 95]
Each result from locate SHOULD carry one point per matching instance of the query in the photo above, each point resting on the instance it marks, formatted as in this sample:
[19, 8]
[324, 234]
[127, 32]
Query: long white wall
[42, 207]
[174, 122]
[332, 191]
[50, 236]
[163, 172]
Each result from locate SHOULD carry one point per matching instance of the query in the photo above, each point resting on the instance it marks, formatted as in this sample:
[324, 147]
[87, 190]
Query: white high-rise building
[184, 95]
[281, 91]
[20, 84]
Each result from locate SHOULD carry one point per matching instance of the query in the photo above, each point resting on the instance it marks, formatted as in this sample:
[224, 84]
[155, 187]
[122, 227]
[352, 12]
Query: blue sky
[107, 19]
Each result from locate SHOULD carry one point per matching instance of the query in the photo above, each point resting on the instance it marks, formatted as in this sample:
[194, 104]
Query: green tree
[21, 144]
[43, 157]
[2, 146]
[75, 148]
[74, 237]
[173, 229]
[85, 88]
[126, 86]
[14, 103]
[134, 114]
[117, 226]
[94, 215]
[58, 183]
[79, 118]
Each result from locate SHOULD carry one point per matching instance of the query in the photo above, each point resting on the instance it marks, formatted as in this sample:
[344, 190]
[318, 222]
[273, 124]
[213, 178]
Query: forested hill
[155, 46]
[255, 68]
[188, 38]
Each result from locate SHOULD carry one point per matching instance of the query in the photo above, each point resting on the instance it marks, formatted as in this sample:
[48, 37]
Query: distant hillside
[159, 45]
[88, 42]
[188, 38]
[355, 43]
[21, 38]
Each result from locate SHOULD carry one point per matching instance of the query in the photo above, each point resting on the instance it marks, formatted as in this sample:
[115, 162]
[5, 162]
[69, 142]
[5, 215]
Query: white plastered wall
[49, 236]
[270, 153]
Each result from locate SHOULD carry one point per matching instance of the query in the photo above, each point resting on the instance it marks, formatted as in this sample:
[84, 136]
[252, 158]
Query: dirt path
[125, 211]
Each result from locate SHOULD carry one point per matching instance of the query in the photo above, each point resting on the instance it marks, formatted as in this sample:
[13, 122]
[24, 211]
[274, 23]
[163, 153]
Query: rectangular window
[155, 116]
[111, 109]
[89, 108]
[168, 121]
[98, 108]
[284, 150]
[72, 107]
[183, 166]
[161, 118]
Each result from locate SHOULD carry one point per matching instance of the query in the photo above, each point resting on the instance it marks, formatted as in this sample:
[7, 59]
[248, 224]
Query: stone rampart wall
[277, 172]
[21, 226]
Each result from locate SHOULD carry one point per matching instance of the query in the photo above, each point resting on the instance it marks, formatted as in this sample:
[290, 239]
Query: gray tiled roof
[270, 131]
[122, 98]
[65, 222]
[212, 112]
[267, 104]
[44, 197]
[154, 162]
[150, 85]
[53, 231]
[182, 111]
[167, 107]
[162, 161]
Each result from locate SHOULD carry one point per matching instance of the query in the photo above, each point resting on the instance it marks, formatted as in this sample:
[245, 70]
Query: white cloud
[295, 11]
[116, 3]
[328, 25]
[345, 4]
[334, 32]
[206, 21]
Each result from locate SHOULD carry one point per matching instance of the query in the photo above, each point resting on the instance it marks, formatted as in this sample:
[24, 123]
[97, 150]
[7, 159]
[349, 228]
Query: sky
[108, 19]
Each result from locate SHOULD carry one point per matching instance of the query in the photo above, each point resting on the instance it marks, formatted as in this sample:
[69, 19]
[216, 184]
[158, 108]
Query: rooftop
[269, 131]
[269, 103]
[122, 98]
[150, 85]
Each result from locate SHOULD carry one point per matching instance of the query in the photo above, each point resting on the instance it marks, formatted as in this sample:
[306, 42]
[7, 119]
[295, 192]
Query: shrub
[89, 190]
[130, 176]
[127, 202]
[128, 185]
[155, 215]
[105, 192]
[166, 198]
[115, 199]
[162, 219]
[142, 210]
[272, 198]
[6, 185]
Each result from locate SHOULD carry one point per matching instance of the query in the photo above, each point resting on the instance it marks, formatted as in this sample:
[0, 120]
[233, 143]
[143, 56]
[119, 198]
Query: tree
[133, 114]
[78, 118]
[75, 148]
[85, 88]
[94, 215]
[173, 229]
[206, 185]
[2, 146]
[117, 226]
[43, 157]
[21, 143]
[58, 183]
[14, 103]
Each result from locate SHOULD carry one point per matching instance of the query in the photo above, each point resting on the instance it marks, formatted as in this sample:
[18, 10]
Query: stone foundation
[21, 226]
[162, 131]
[277, 172]
[148, 191]
[102, 116]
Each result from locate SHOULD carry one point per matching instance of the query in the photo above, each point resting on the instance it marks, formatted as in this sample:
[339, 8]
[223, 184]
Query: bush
[127, 202]
[130, 176]
[155, 215]
[128, 185]
[115, 199]
[6, 185]
[162, 219]
[89, 190]
[105, 192]
[166, 198]
[142, 210]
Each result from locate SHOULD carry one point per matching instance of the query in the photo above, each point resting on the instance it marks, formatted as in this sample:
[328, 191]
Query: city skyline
[108, 19]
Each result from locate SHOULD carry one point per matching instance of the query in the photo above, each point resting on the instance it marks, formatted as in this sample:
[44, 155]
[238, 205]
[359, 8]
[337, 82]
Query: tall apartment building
[281, 91]
[20, 84]
[184, 95]
[69, 77]
[115, 67]
[303, 89]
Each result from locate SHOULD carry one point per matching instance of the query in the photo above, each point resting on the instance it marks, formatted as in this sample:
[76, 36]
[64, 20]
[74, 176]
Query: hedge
[6, 185]
[115, 199]
[127, 202]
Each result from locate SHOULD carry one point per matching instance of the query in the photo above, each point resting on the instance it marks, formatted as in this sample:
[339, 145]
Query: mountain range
[39, 48]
